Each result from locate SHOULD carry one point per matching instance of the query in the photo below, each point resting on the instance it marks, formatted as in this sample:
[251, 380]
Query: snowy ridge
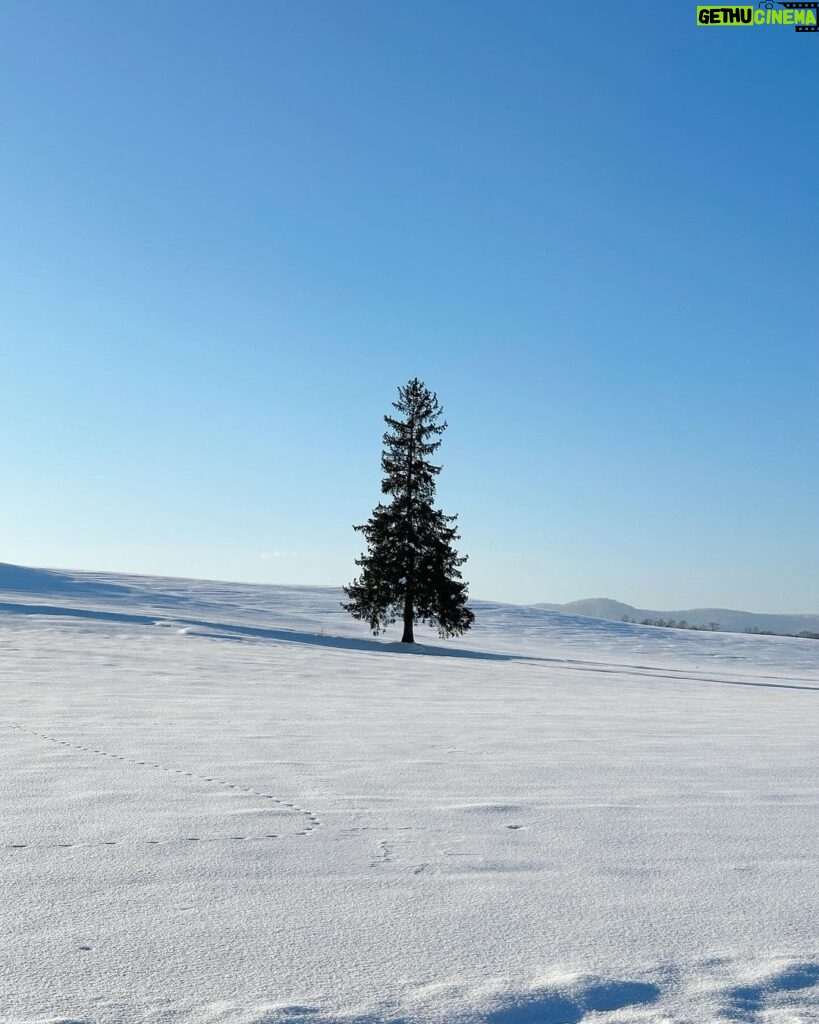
[314, 615]
[227, 803]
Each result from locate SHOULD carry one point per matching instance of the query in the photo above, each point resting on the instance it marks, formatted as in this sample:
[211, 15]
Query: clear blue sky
[229, 231]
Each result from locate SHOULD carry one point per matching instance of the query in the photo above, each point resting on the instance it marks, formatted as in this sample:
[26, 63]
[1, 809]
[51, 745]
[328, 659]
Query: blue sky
[231, 230]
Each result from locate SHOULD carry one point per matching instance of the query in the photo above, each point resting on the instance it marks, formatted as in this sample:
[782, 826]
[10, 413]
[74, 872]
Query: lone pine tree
[410, 568]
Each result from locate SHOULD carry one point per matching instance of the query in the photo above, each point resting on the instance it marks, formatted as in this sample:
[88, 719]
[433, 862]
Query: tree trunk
[409, 636]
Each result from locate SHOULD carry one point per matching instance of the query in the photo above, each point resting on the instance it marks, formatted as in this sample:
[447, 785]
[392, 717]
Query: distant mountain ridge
[163, 591]
[727, 619]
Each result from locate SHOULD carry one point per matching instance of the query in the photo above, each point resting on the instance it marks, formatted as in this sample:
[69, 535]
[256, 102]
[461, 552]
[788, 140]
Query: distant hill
[727, 619]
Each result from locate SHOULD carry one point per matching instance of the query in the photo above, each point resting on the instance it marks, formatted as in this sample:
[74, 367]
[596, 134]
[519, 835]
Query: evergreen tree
[410, 569]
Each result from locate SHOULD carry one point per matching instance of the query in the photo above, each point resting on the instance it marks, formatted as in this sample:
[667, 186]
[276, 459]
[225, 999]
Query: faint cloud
[279, 554]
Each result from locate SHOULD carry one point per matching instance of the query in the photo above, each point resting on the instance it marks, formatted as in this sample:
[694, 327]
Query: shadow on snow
[751, 999]
[539, 1007]
[235, 631]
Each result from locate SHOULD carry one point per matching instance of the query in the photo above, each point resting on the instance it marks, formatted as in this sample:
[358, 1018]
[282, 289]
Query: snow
[226, 803]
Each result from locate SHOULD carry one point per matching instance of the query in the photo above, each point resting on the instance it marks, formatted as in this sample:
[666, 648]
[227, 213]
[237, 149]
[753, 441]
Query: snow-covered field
[225, 803]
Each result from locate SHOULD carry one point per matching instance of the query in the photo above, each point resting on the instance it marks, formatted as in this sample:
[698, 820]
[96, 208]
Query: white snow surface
[227, 803]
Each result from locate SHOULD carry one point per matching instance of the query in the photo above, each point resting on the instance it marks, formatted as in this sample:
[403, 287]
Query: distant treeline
[712, 627]
[672, 623]
[806, 634]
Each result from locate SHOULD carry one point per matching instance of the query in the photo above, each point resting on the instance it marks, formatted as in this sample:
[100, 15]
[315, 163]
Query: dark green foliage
[410, 569]
[674, 624]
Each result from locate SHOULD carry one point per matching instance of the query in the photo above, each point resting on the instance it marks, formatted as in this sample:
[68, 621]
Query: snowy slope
[226, 803]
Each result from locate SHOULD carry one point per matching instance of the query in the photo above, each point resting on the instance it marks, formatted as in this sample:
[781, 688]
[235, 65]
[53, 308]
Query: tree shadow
[233, 631]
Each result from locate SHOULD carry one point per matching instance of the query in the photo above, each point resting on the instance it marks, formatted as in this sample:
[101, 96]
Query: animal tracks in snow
[147, 842]
[312, 820]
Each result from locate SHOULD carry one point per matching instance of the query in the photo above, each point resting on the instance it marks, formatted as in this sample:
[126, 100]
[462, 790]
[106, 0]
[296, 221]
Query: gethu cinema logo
[803, 16]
